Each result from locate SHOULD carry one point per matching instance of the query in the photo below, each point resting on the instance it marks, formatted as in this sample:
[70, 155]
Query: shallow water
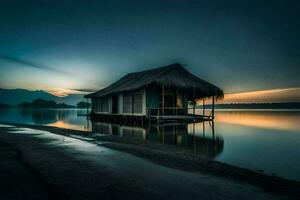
[267, 141]
[67, 163]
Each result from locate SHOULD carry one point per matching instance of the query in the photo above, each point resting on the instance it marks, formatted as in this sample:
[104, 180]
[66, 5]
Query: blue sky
[82, 45]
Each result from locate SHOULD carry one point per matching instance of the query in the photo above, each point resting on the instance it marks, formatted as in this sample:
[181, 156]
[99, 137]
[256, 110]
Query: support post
[163, 100]
[194, 105]
[194, 102]
[149, 116]
[194, 134]
[175, 103]
[163, 134]
[203, 108]
[203, 129]
[213, 130]
[87, 106]
[87, 124]
[213, 107]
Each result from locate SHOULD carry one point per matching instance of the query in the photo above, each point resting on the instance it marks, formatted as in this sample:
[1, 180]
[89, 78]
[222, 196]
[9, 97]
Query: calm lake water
[258, 140]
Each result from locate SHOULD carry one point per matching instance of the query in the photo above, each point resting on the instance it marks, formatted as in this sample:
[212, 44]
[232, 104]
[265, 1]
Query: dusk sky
[67, 46]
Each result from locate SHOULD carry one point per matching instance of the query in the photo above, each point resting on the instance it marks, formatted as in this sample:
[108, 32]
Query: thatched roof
[174, 75]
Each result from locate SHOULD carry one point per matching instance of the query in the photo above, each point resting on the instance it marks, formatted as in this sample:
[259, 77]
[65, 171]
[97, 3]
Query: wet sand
[17, 180]
[71, 168]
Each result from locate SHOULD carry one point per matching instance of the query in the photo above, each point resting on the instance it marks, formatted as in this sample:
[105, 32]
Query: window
[101, 105]
[98, 105]
[127, 103]
[104, 105]
[137, 103]
[133, 103]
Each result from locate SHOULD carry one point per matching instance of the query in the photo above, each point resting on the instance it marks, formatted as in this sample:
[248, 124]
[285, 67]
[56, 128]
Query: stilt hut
[161, 94]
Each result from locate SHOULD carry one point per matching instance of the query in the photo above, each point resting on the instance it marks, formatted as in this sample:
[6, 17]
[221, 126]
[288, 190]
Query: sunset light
[149, 99]
[264, 96]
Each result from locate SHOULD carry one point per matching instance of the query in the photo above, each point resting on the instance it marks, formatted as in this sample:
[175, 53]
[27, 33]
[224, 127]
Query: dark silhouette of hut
[165, 93]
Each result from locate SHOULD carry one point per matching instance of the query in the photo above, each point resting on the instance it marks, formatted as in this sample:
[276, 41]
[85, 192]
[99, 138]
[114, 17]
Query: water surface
[267, 141]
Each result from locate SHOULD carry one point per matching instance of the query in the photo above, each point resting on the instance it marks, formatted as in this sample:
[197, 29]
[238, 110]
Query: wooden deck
[147, 120]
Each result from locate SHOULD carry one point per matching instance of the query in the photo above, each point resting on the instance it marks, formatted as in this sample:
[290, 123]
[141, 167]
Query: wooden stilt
[194, 105]
[87, 106]
[203, 108]
[149, 117]
[203, 130]
[163, 135]
[194, 134]
[142, 121]
[194, 102]
[213, 130]
[213, 107]
[163, 100]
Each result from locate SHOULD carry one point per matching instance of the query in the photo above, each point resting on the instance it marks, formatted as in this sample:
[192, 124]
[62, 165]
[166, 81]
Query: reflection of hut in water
[114, 129]
[161, 94]
[206, 145]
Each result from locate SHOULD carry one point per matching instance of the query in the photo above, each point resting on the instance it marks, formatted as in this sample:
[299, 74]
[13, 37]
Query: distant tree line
[41, 103]
[83, 104]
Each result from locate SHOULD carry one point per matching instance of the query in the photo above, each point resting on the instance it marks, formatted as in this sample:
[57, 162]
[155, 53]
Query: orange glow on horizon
[260, 96]
[62, 124]
[260, 120]
[60, 92]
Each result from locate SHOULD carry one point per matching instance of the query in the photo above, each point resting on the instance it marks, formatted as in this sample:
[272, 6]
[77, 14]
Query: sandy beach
[41, 162]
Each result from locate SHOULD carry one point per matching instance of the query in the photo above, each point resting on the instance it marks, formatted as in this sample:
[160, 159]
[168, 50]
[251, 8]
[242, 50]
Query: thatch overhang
[172, 76]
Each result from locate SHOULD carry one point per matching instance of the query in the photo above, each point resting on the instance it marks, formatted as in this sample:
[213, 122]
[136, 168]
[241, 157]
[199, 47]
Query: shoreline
[183, 161]
[179, 160]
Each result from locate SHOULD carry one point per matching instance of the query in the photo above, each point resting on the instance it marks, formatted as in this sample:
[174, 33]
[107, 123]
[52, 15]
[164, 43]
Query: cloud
[61, 92]
[65, 92]
[29, 63]
[85, 90]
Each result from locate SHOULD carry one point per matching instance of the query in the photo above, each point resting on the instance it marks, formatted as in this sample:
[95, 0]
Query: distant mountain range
[18, 96]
